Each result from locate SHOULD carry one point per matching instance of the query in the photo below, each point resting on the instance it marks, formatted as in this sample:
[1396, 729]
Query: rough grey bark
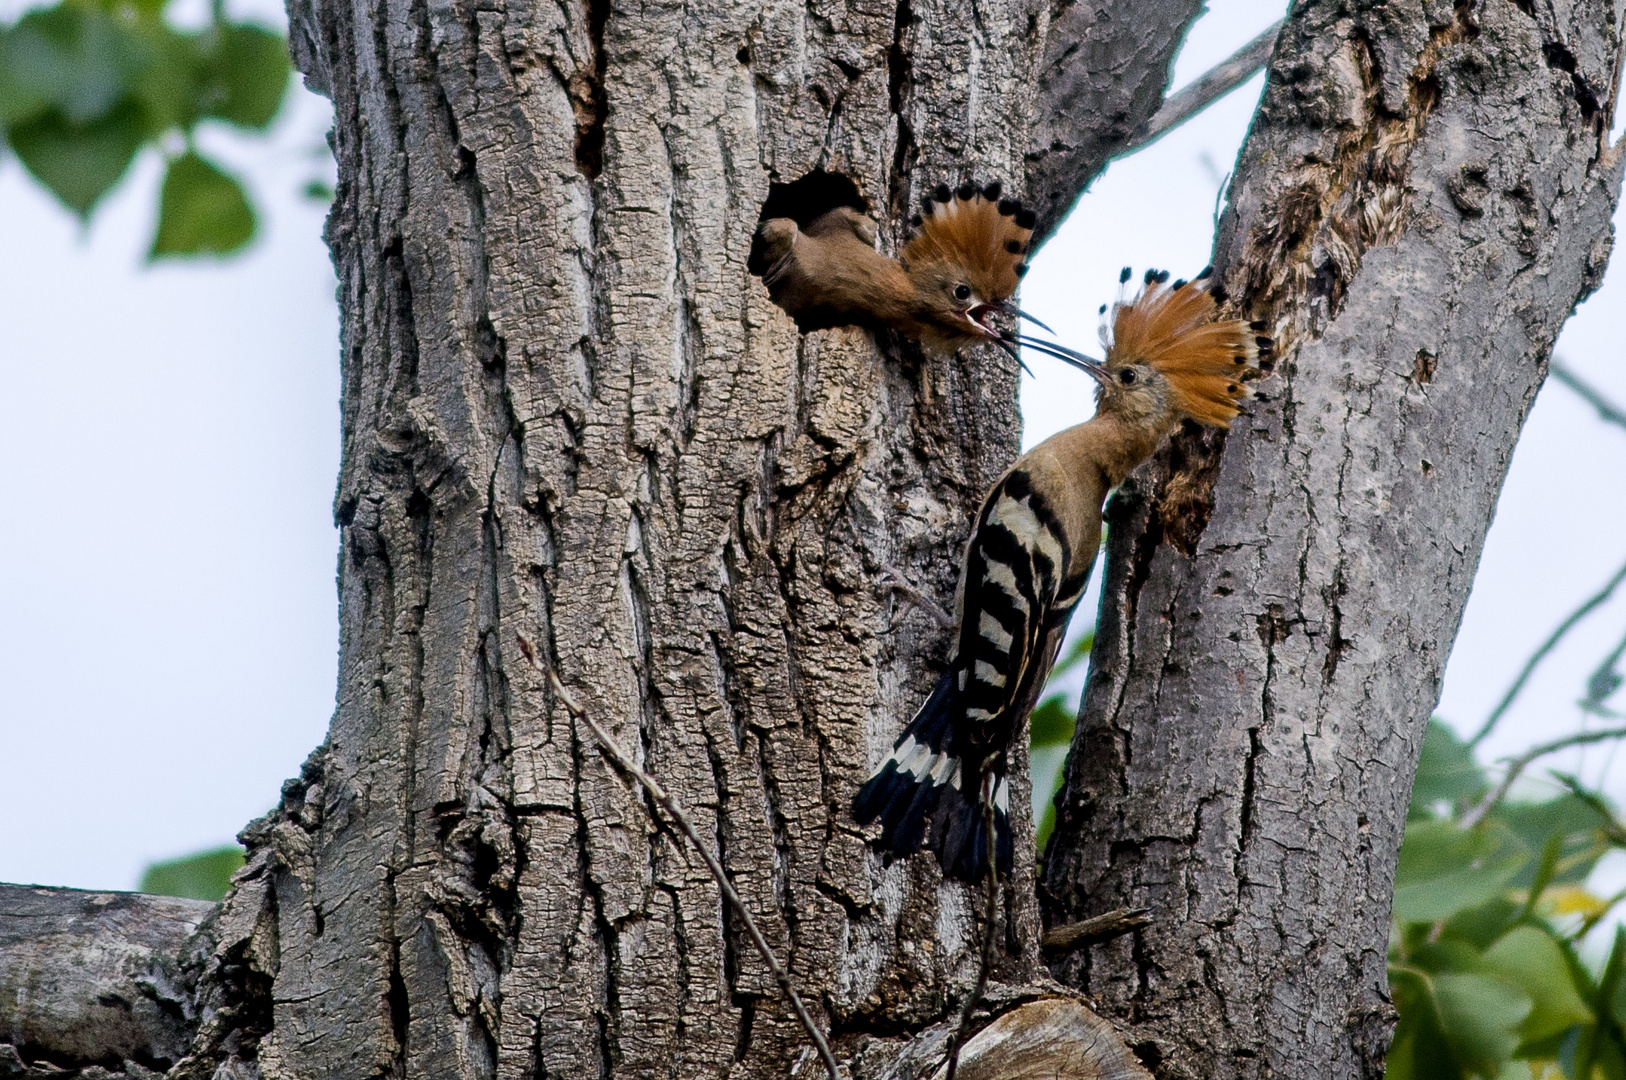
[1424, 197]
[93, 979]
[571, 414]
[1104, 73]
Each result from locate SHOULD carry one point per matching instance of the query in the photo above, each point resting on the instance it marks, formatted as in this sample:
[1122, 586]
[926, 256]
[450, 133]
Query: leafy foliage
[85, 85]
[1484, 956]
[204, 876]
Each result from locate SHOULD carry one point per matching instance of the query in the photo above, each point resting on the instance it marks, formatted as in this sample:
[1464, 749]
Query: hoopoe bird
[1028, 561]
[960, 268]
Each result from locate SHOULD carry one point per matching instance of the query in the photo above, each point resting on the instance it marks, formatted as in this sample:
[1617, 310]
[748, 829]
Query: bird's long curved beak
[1011, 309]
[1009, 348]
[1087, 364]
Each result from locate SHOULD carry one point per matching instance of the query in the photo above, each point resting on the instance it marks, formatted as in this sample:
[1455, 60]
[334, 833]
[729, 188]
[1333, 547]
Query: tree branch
[1593, 602]
[1205, 90]
[1102, 927]
[1517, 765]
[1607, 410]
[92, 977]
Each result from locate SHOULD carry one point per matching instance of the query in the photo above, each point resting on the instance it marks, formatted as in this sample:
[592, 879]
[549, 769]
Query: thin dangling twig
[675, 811]
[1516, 767]
[1591, 604]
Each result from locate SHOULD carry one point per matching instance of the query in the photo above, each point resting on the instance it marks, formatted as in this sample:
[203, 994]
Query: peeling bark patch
[1188, 468]
[1351, 196]
[1422, 371]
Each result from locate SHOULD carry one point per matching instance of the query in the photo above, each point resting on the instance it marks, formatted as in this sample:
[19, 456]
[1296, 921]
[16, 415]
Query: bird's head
[1168, 360]
[1136, 393]
[965, 262]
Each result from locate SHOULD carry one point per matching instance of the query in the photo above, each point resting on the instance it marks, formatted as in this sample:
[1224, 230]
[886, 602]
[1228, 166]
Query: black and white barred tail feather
[921, 788]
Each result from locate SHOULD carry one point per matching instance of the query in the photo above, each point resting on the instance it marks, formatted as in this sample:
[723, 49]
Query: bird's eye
[962, 292]
[1127, 376]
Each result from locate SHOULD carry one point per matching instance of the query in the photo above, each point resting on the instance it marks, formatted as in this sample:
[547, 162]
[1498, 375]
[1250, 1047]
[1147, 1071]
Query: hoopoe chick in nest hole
[960, 269]
[1028, 561]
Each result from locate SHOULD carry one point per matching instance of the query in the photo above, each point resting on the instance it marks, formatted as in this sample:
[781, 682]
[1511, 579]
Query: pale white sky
[170, 437]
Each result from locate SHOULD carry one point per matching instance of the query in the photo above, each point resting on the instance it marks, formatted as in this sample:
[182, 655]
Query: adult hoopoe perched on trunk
[1028, 561]
[960, 268]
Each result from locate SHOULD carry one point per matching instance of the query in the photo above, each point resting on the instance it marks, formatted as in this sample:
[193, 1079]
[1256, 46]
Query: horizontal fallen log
[91, 979]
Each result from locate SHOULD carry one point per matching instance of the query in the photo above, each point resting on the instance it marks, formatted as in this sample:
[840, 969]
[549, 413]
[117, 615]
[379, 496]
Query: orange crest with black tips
[1171, 329]
[972, 229]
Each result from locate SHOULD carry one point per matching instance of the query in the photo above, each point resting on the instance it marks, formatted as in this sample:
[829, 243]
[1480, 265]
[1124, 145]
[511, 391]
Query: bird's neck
[878, 284]
[1117, 445]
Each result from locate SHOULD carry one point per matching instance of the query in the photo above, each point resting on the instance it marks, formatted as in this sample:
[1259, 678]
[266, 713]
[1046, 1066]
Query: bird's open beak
[978, 315]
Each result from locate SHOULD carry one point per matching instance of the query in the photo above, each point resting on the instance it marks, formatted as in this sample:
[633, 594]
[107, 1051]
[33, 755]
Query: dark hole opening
[803, 200]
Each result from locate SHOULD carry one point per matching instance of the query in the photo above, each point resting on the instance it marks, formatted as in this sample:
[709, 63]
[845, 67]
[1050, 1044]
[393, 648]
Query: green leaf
[201, 211]
[1444, 869]
[204, 876]
[1529, 959]
[1420, 1050]
[78, 163]
[1574, 819]
[1481, 1018]
[1051, 724]
[247, 74]
[1446, 772]
[172, 87]
[1481, 924]
[1596, 1041]
[73, 59]
[1443, 957]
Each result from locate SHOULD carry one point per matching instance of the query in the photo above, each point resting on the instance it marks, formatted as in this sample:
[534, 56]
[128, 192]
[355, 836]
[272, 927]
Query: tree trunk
[1425, 196]
[571, 415]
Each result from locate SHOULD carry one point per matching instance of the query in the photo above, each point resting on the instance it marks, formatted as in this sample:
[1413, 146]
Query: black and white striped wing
[1016, 597]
